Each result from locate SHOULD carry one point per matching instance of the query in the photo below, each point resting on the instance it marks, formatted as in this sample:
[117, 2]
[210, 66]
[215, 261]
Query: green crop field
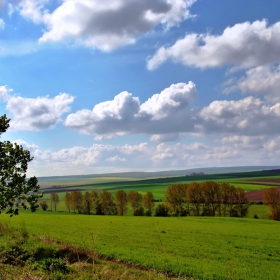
[249, 181]
[202, 247]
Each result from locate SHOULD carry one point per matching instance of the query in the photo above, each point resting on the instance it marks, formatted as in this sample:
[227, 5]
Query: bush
[139, 212]
[15, 256]
[256, 216]
[149, 213]
[51, 264]
[44, 205]
[161, 210]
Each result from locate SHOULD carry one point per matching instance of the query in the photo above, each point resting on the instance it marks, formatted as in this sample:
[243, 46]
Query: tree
[271, 197]
[242, 202]
[67, 200]
[95, 203]
[176, 199]
[15, 190]
[87, 203]
[54, 200]
[228, 199]
[77, 201]
[195, 197]
[148, 203]
[107, 203]
[212, 196]
[121, 202]
[44, 205]
[135, 199]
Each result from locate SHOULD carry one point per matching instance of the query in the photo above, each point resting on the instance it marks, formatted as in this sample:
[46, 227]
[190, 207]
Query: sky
[106, 86]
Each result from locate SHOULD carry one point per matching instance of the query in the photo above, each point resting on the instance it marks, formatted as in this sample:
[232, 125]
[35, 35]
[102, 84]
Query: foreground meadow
[199, 247]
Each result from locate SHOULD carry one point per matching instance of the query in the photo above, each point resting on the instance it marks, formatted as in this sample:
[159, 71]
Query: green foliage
[44, 205]
[161, 210]
[14, 188]
[15, 256]
[54, 264]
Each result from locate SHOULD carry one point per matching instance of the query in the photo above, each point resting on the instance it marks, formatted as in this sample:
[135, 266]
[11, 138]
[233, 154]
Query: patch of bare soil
[257, 195]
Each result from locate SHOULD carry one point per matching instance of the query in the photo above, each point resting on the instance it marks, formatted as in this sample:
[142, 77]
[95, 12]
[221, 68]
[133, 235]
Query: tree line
[198, 199]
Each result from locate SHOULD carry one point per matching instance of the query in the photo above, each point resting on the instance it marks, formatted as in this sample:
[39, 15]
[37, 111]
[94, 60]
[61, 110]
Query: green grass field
[198, 247]
[202, 247]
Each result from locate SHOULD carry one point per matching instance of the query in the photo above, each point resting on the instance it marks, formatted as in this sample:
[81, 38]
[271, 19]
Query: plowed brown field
[257, 195]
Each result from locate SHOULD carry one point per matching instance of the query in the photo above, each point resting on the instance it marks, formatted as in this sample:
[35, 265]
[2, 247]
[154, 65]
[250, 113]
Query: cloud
[5, 93]
[168, 115]
[33, 10]
[165, 112]
[169, 137]
[103, 158]
[105, 24]
[35, 113]
[262, 80]
[243, 45]
[248, 116]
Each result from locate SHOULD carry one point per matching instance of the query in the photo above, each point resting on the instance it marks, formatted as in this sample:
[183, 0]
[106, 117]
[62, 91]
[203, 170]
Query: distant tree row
[104, 203]
[206, 199]
[199, 199]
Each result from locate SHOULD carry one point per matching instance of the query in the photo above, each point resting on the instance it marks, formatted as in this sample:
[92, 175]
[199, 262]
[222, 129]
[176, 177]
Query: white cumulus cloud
[105, 24]
[165, 112]
[262, 80]
[243, 45]
[35, 113]
[248, 116]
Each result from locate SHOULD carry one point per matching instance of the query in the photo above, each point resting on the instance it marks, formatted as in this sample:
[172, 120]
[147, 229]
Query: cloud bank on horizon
[233, 121]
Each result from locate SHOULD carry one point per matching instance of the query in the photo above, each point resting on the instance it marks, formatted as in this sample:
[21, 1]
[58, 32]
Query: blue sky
[127, 85]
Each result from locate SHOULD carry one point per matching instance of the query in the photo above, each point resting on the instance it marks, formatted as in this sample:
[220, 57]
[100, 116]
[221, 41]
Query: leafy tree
[67, 200]
[87, 202]
[228, 202]
[44, 205]
[135, 199]
[54, 200]
[176, 199]
[148, 203]
[107, 203]
[211, 192]
[95, 203]
[121, 202]
[271, 197]
[195, 197]
[242, 202]
[15, 190]
[76, 201]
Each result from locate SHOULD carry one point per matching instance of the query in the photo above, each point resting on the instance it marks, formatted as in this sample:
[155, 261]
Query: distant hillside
[171, 173]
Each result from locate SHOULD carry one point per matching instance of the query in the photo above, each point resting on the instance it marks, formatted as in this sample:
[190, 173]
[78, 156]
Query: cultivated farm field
[198, 247]
[178, 247]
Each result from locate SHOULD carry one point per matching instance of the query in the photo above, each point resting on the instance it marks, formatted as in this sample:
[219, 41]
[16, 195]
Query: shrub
[148, 213]
[161, 210]
[44, 205]
[15, 256]
[51, 264]
[139, 212]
